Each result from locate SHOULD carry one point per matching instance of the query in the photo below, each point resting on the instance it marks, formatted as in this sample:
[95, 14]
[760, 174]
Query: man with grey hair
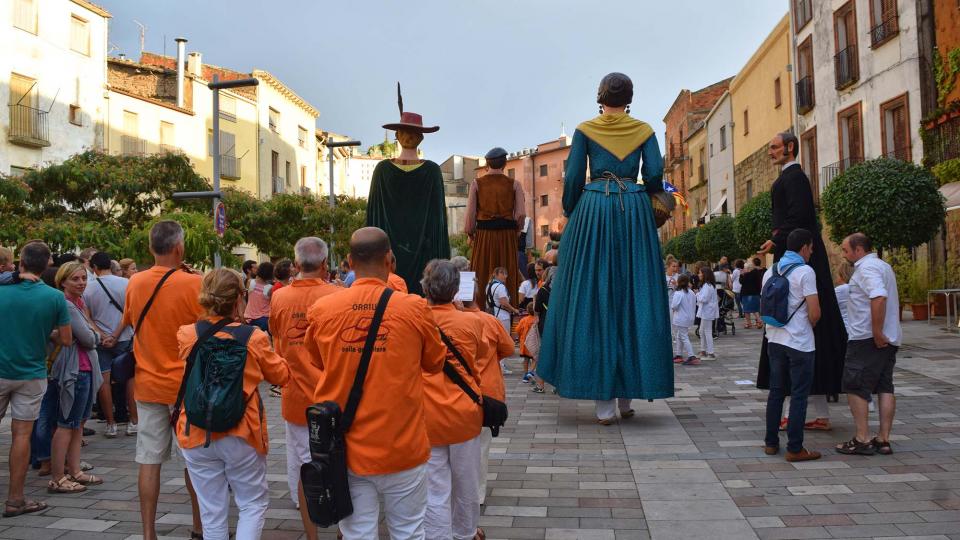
[454, 418]
[172, 292]
[288, 326]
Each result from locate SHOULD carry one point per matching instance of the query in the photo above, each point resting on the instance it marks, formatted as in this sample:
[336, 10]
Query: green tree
[895, 203]
[685, 247]
[201, 242]
[718, 239]
[754, 223]
[460, 245]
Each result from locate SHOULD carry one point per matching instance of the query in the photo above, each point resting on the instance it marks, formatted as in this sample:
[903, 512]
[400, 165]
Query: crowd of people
[417, 440]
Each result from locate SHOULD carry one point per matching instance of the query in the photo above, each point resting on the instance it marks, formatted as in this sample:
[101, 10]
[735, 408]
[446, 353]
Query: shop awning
[951, 192]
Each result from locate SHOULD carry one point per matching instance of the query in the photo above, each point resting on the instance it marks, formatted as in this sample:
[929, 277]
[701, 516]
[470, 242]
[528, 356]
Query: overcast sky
[488, 72]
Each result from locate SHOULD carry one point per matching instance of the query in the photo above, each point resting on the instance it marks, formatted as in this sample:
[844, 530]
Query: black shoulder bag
[325, 485]
[494, 410]
[124, 363]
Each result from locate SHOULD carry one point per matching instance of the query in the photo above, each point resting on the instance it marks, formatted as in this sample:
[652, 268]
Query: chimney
[195, 64]
[181, 58]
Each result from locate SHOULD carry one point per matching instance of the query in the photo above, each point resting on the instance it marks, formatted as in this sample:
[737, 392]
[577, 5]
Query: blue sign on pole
[220, 220]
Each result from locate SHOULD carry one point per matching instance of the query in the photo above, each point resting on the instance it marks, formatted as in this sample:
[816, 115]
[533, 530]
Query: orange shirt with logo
[396, 283]
[262, 365]
[288, 326]
[159, 368]
[495, 344]
[452, 417]
[389, 433]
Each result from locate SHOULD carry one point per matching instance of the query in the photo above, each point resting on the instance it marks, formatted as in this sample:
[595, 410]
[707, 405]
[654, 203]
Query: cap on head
[496, 153]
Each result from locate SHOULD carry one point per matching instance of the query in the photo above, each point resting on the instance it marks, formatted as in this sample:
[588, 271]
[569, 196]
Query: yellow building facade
[762, 105]
[698, 173]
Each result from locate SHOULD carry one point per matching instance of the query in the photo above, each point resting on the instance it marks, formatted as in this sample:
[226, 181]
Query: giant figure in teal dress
[607, 330]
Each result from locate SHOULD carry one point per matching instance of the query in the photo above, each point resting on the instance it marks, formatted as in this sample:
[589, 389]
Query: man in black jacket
[793, 208]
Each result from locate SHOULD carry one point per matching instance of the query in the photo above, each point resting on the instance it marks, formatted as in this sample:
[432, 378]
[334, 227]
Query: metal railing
[829, 172]
[804, 12]
[279, 184]
[230, 167]
[943, 142]
[28, 126]
[885, 30]
[846, 66]
[805, 99]
[132, 146]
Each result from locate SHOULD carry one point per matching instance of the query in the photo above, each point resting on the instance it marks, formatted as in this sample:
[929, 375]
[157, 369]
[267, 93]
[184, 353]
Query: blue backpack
[775, 297]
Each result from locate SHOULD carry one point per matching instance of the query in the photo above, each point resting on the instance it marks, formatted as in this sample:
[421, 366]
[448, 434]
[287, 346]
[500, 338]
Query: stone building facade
[752, 176]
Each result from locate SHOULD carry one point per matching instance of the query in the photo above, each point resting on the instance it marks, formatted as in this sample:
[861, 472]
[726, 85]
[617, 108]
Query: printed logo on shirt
[355, 336]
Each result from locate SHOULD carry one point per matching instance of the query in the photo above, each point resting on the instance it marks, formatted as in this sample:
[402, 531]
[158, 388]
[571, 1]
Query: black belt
[496, 224]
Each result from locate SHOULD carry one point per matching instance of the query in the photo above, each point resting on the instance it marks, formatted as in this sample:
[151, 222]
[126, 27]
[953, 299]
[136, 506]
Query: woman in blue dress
[607, 334]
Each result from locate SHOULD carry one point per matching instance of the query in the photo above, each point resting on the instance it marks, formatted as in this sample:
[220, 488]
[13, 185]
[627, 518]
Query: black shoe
[855, 447]
[87, 432]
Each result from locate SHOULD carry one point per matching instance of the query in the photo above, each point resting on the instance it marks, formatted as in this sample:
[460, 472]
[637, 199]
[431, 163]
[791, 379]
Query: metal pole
[216, 159]
[333, 201]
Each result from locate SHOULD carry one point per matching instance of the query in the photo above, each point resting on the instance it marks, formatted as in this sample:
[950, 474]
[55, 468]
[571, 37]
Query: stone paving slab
[687, 468]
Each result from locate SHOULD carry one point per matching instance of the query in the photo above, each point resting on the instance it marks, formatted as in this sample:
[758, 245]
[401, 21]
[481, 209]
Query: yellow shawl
[618, 133]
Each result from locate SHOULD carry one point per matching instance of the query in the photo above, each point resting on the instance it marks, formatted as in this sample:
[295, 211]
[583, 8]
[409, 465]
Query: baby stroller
[728, 312]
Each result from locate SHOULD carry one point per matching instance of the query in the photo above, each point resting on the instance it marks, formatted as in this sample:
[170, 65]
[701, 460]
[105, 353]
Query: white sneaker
[132, 428]
[111, 431]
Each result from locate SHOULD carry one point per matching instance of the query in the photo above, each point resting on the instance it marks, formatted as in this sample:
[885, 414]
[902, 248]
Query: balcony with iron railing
[884, 31]
[942, 141]
[846, 67]
[805, 99]
[230, 167]
[132, 146]
[28, 126]
[829, 172]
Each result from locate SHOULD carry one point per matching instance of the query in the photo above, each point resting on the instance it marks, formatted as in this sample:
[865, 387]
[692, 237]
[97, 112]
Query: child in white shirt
[708, 310]
[683, 310]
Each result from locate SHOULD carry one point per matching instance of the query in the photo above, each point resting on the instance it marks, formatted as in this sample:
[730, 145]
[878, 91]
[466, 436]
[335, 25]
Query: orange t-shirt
[389, 433]
[396, 283]
[524, 326]
[159, 368]
[262, 364]
[494, 345]
[452, 417]
[288, 326]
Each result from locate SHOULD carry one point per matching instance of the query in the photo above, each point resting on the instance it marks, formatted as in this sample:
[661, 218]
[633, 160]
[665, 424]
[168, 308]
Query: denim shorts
[106, 356]
[82, 397]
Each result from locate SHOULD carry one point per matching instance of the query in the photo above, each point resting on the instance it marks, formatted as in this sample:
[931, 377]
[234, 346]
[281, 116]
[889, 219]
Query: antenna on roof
[143, 34]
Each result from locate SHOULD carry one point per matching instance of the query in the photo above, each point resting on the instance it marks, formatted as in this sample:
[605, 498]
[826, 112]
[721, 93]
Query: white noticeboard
[467, 286]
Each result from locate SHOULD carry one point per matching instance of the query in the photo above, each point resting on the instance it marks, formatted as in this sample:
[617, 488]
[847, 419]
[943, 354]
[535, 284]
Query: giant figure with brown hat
[495, 214]
[406, 201]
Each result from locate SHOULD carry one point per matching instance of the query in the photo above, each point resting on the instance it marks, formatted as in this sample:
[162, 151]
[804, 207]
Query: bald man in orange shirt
[288, 326]
[387, 444]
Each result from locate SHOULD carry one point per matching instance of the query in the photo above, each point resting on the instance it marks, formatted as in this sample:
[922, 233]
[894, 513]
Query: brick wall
[759, 170]
[146, 82]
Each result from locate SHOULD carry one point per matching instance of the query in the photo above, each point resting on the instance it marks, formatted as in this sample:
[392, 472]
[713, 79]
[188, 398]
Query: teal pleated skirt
[607, 332]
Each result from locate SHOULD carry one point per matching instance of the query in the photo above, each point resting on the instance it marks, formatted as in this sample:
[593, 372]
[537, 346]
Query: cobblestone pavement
[687, 468]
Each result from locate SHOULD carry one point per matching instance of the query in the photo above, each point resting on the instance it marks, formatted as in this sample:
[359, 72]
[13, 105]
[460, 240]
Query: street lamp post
[216, 85]
[333, 201]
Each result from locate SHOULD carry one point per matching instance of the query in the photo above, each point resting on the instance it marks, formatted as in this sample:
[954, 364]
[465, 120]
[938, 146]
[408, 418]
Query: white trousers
[706, 335]
[404, 503]
[486, 437]
[453, 507]
[298, 453]
[608, 408]
[681, 341]
[820, 407]
[229, 463]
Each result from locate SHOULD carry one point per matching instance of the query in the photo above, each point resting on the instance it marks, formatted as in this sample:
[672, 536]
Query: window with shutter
[846, 61]
[895, 128]
[79, 35]
[851, 136]
[808, 157]
[25, 15]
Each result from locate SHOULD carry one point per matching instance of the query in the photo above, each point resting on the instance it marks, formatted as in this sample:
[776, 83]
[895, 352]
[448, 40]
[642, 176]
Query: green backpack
[211, 392]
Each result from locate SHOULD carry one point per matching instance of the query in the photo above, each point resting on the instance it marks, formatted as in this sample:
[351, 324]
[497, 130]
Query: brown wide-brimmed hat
[410, 121]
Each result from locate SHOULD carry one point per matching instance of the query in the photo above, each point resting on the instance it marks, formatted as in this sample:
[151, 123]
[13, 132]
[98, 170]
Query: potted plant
[917, 285]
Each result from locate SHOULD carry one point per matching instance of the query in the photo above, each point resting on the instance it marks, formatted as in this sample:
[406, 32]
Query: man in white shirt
[105, 296]
[874, 330]
[498, 302]
[792, 349]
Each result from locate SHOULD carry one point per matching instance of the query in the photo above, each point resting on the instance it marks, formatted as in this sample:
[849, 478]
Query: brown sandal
[86, 479]
[65, 485]
[24, 506]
